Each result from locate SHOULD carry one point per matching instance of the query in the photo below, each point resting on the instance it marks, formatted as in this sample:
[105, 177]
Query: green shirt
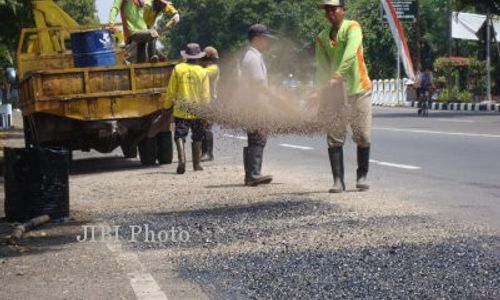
[342, 56]
[132, 16]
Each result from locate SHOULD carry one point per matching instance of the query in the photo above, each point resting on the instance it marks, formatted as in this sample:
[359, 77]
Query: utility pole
[419, 55]
[450, 28]
[488, 55]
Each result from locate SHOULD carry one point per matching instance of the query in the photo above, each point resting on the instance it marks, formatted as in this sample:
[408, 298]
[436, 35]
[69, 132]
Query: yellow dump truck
[99, 108]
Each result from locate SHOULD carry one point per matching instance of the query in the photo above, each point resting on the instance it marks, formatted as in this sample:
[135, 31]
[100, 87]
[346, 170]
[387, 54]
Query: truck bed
[101, 93]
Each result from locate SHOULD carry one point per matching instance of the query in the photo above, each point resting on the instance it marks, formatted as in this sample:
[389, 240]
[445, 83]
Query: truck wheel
[28, 141]
[165, 148]
[147, 151]
[129, 152]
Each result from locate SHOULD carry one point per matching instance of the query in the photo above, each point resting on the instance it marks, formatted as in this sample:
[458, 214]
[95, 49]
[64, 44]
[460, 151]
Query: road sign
[405, 9]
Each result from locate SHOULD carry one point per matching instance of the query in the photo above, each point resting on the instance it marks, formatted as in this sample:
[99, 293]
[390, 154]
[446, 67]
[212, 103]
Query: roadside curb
[475, 107]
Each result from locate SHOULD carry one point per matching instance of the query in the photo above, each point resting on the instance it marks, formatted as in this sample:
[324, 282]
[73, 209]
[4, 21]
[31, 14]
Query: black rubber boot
[207, 146]
[196, 152]
[245, 163]
[253, 156]
[336, 155]
[181, 152]
[363, 165]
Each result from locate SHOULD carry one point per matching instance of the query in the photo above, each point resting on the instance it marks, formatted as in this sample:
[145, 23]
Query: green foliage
[446, 67]
[5, 60]
[482, 6]
[472, 72]
[83, 11]
[380, 50]
[223, 24]
[17, 14]
[464, 97]
[448, 95]
[5, 56]
[476, 76]
[9, 4]
[434, 27]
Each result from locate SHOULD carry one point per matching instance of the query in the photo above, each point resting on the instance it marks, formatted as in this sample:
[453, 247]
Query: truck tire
[28, 140]
[129, 152]
[165, 148]
[148, 149]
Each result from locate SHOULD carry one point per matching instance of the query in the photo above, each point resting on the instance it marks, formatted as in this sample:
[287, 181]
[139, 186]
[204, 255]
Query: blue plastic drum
[93, 48]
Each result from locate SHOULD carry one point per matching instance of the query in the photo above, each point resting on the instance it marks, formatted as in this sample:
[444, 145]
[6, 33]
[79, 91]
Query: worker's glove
[174, 20]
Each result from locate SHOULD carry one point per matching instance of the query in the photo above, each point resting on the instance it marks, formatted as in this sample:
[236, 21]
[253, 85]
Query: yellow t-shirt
[188, 84]
[150, 15]
[214, 76]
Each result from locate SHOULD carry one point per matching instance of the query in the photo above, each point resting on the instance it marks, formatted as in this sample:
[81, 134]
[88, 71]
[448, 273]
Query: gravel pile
[451, 269]
[287, 241]
[301, 248]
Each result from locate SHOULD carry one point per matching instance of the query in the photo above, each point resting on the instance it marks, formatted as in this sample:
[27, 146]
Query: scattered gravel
[303, 248]
[448, 269]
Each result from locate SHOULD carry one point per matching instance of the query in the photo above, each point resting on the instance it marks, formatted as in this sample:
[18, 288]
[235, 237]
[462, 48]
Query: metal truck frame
[99, 108]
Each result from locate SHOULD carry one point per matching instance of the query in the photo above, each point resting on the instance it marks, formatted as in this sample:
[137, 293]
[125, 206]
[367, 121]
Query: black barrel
[36, 183]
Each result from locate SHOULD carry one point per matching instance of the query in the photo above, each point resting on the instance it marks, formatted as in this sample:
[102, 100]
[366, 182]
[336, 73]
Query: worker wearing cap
[256, 86]
[137, 34]
[339, 59]
[209, 62]
[189, 88]
[154, 8]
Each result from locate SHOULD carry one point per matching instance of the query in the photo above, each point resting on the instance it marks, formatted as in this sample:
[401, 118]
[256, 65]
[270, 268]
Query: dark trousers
[208, 140]
[257, 138]
[253, 155]
[182, 127]
[141, 46]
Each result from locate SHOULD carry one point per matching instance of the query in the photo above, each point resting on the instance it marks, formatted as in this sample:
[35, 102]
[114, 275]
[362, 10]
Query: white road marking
[238, 137]
[393, 165]
[439, 132]
[144, 285]
[455, 121]
[296, 147]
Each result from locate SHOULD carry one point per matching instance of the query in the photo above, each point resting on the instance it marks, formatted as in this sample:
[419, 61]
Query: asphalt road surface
[428, 228]
[448, 162]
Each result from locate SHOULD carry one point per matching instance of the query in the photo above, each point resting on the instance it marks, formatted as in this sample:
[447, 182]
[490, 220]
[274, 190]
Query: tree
[83, 11]
[17, 15]
[9, 4]
[434, 26]
[380, 50]
[223, 24]
[490, 8]
[483, 6]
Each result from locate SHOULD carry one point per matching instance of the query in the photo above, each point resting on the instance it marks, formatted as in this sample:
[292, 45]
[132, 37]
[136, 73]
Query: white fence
[390, 92]
[5, 116]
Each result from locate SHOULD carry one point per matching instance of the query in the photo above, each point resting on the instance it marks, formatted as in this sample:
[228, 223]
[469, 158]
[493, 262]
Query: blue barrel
[93, 48]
